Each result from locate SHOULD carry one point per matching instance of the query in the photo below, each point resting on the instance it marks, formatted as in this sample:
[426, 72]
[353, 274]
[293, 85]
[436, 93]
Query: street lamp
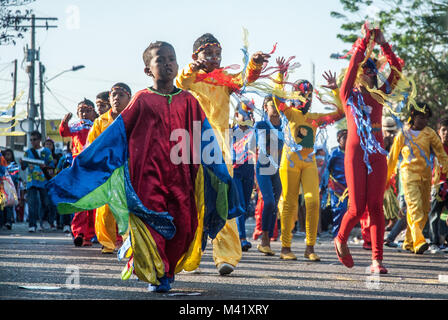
[74, 68]
[42, 84]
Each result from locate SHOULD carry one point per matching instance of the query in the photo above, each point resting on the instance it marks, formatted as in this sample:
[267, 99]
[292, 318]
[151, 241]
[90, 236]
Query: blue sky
[109, 37]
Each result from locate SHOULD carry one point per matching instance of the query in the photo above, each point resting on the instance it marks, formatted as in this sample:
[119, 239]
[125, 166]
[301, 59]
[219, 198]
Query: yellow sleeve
[94, 132]
[186, 78]
[252, 73]
[437, 146]
[392, 158]
[280, 106]
[328, 118]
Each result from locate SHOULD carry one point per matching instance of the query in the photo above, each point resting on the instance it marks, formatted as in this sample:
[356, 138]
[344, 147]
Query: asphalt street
[47, 266]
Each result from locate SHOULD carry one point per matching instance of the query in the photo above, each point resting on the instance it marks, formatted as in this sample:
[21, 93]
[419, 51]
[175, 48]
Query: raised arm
[392, 159]
[64, 129]
[355, 61]
[391, 59]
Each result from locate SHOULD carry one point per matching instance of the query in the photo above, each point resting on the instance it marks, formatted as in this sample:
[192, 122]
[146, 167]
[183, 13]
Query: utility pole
[43, 129]
[31, 56]
[14, 95]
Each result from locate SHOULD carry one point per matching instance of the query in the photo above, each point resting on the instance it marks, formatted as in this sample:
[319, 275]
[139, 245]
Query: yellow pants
[417, 194]
[227, 245]
[305, 174]
[105, 227]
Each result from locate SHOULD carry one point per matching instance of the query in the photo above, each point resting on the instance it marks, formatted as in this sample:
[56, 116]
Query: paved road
[47, 263]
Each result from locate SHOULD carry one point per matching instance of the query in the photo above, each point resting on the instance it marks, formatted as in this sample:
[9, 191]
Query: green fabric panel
[222, 189]
[111, 192]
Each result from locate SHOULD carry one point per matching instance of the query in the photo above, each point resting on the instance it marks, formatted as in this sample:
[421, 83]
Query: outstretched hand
[67, 117]
[260, 57]
[199, 64]
[331, 80]
[379, 37]
[281, 62]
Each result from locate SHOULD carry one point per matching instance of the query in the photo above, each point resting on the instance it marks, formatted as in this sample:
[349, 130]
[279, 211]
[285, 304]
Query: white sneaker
[39, 229]
[32, 229]
[46, 225]
[66, 229]
[434, 249]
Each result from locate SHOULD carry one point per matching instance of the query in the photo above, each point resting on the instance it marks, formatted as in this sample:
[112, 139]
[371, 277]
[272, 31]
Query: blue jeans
[244, 180]
[434, 219]
[271, 190]
[7, 216]
[401, 224]
[37, 202]
[338, 210]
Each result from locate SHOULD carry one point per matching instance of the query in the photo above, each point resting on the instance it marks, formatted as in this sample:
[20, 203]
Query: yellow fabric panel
[105, 227]
[192, 258]
[227, 245]
[99, 125]
[148, 265]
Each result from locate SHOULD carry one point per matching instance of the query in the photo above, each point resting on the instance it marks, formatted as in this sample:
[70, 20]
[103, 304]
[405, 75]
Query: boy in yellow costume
[415, 144]
[212, 87]
[105, 224]
[299, 167]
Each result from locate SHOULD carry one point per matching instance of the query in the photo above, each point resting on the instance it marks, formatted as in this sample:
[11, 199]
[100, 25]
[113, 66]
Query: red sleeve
[393, 61]
[352, 70]
[64, 130]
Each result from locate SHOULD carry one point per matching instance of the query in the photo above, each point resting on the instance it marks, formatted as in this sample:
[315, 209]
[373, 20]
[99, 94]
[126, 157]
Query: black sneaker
[78, 240]
[422, 248]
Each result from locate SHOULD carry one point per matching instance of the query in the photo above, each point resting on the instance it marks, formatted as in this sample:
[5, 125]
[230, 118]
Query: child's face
[163, 65]
[8, 156]
[420, 122]
[102, 106]
[320, 158]
[119, 99]
[35, 142]
[271, 110]
[86, 112]
[342, 141]
[48, 145]
[211, 54]
[443, 133]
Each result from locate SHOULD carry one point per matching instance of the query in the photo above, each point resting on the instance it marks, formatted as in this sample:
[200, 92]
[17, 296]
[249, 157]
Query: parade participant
[161, 186]
[299, 168]
[243, 164]
[364, 171]
[105, 224]
[439, 191]
[270, 144]
[415, 144]
[36, 194]
[215, 101]
[336, 182]
[102, 102]
[83, 223]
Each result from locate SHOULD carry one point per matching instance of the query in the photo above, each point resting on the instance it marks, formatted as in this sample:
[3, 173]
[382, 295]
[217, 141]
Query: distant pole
[43, 129]
[14, 95]
[32, 107]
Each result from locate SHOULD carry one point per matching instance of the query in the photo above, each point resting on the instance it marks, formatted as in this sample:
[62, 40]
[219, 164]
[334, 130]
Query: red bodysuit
[365, 189]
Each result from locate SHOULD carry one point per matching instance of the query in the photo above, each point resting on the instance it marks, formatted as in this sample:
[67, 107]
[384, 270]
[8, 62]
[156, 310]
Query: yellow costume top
[415, 167]
[99, 125]
[215, 99]
[304, 126]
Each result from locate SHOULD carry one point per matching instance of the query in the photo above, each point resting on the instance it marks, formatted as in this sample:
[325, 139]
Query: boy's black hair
[340, 133]
[204, 39]
[153, 45]
[87, 102]
[421, 105]
[12, 152]
[123, 86]
[442, 123]
[36, 133]
[103, 95]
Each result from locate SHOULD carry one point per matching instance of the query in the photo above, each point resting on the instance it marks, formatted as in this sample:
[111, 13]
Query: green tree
[418, 33]
[10, 28]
